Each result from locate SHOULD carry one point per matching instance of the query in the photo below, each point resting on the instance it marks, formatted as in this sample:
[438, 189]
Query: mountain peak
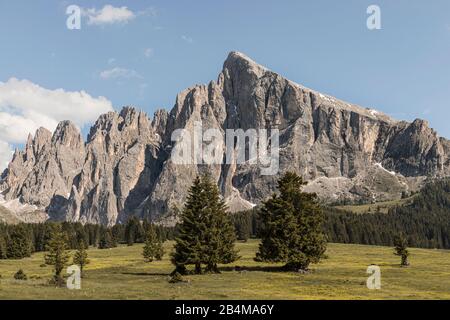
[239, 61]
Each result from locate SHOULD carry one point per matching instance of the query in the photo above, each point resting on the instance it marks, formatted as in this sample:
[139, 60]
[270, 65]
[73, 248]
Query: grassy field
[382, 207]
[120, 273]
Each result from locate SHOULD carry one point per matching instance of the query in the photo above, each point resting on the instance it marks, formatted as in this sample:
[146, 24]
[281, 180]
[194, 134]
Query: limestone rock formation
[346, 152]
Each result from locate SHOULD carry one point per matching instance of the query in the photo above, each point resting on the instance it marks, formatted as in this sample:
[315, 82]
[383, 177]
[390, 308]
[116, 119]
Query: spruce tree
[220, 234]
[57, 255]
[153, 248]
[401, 250]
[188, 243]
[206, 234]
[292, 226]
[81, 257]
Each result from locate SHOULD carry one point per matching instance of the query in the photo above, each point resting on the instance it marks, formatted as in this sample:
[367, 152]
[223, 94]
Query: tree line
[425, 222]
[22, 240]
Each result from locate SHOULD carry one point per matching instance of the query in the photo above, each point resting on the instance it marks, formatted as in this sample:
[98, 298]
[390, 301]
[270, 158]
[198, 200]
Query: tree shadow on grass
[150, 274]
[221, 269]
[253, 268]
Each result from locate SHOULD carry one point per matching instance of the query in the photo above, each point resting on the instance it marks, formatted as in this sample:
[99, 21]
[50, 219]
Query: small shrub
[20, 275]
[43, 265]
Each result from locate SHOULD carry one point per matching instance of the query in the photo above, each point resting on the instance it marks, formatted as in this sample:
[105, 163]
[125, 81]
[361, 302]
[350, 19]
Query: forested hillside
[425, 221]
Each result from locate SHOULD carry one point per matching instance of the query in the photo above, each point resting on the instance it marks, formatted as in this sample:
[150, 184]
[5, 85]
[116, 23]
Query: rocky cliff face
[347, 153]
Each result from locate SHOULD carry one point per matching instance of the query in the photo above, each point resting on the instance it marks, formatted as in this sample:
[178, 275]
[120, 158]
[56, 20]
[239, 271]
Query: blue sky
[166, 46]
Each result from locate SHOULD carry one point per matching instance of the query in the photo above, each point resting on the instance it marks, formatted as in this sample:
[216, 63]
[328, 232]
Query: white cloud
[187, 39]
[148, 52]
[109, 15]
[25, 106]
[5, 155]
[117, 73]
[111, 61]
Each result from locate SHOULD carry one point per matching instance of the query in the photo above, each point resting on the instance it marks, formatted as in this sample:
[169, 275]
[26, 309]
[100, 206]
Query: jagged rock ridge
[347, 153]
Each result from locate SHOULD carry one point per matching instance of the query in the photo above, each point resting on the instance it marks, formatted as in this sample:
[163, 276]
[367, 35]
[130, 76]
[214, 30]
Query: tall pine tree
[292, 226]
[220, 234]
[153, 248]
[188, 246]
[206, 234]
[81, 257]
[57, 255]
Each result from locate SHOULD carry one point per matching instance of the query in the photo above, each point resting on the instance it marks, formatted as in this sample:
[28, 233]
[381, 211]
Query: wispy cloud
[148, 52]
[111, 61]
[119, 73]
[187, 39]
[150, 12]
[108, 15]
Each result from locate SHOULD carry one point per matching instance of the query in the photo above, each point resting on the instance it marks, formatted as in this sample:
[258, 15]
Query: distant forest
[425, 222]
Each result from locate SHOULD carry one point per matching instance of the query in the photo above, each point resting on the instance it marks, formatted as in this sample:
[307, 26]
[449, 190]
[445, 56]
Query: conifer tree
[188, 246]
[292, 226]
[153, 248]
[220, 234]
[81, 257]
[206, 234]
[401, 250]
[57, 255]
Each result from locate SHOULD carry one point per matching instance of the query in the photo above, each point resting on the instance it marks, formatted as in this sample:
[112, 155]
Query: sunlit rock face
[345, 152]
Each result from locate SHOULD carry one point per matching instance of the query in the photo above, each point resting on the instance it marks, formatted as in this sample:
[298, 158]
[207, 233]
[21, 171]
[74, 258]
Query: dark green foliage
[20, 275]
[426, 221]
[3, 247]
[38, 235]
[220, 234]
[188, 246]
[243, 225]
[118, 233]
[153, 248]
[57, 255]
[401, 250]
[19, 243]
[206, 234]
[134, 231]
[292, 226]
[106, 240]
[81, 257]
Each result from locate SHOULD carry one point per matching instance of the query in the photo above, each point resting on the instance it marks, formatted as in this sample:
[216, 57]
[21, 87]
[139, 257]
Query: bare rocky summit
[347, 153]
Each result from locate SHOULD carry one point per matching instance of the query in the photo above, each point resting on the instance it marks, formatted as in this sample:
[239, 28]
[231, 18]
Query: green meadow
[121, 273]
